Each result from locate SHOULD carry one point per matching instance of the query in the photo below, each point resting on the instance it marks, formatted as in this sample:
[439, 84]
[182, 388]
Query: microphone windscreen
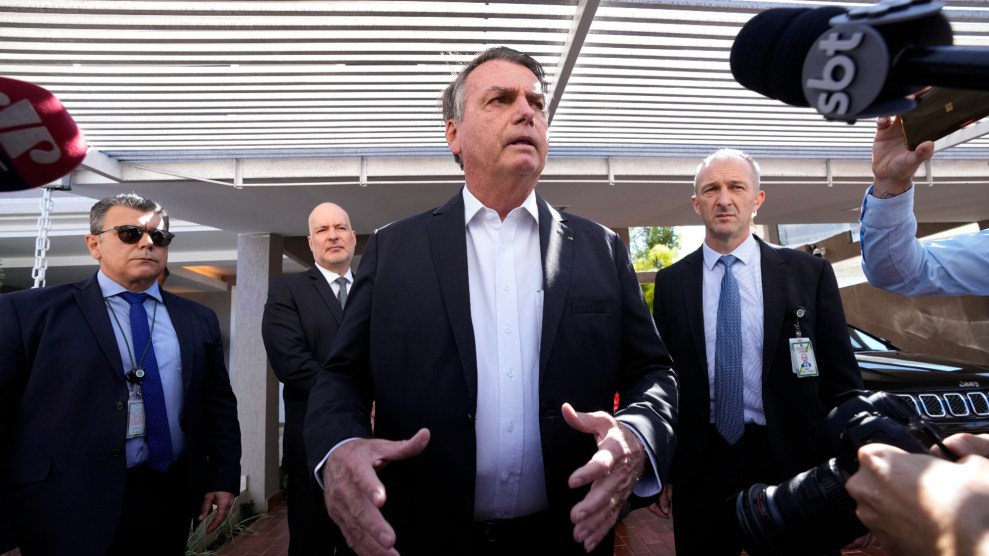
[786, 81]
[752, 51]
[39, 140]
[768, 54]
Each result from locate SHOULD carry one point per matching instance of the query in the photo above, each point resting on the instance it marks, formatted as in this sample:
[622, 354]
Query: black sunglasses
[132, 234]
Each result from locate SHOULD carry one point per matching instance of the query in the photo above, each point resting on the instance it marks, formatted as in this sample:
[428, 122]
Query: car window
[865, 342]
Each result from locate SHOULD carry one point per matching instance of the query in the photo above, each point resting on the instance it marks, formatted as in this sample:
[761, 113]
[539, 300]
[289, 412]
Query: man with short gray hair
[492, 335]
[740, 318]
[116, 411]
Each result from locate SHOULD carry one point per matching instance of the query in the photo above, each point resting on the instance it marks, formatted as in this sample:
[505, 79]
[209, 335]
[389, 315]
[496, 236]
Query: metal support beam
[101, 164]
[579, 27]
[963, 135]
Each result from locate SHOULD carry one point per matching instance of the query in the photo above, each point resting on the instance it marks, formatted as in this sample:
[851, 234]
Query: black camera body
[812, 513]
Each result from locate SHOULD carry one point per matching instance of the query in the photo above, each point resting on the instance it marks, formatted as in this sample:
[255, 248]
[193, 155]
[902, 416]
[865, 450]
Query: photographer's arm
[916, 504]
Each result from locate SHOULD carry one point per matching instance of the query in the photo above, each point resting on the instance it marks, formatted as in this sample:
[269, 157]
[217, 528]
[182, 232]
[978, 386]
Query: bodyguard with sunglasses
[118, 425]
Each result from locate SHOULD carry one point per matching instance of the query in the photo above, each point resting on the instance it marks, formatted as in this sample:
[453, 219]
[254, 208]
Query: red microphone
[39, 141]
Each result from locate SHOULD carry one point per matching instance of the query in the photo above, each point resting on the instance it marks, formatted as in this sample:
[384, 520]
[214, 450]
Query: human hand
[354, 495]
[223, 500]
[916, 504]
[965, 444]
[663, 507]
[893, 164]
[612, 472]
[16, 551]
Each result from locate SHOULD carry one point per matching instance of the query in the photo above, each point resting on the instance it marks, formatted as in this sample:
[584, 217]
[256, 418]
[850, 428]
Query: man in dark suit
[786, 304]
[118, 425]
[300, 320]
[492, 334]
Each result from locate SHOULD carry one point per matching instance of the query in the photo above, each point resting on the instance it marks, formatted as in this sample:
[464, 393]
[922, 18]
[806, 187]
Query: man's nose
[524, 113]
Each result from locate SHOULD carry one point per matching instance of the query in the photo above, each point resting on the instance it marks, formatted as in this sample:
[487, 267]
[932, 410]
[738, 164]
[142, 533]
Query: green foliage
[653, 247]
[237, 522]
[658, 256]
[643, 239]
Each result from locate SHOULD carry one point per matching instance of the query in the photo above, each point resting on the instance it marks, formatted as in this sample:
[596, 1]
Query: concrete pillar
[259, 260]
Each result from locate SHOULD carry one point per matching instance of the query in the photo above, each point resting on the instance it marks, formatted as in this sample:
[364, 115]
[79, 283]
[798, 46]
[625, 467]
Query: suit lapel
[556, 244]
[448, 245]
[693, 300]
[774, 286]
[94, 310]
[325, 293]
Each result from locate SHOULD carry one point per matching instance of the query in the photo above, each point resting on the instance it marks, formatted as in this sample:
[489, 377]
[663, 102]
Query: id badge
[802, 358]
[135, 417]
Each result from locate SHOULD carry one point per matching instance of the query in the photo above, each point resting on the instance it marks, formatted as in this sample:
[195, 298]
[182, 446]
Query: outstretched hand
[612, 472]
[893, 163]
[354, 495]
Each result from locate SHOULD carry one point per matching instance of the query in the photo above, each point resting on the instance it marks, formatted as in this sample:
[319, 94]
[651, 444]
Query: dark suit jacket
[407, 342]
[790, 279]
[63, 417]
[300, 320]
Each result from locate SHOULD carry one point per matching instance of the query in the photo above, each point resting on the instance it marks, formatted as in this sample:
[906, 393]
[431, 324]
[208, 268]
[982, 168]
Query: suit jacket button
[119, 405]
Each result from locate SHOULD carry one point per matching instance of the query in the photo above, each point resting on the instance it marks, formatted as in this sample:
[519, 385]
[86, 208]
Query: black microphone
[858, 63]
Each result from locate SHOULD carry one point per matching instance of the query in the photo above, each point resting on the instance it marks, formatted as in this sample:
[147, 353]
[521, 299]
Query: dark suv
[952, 394]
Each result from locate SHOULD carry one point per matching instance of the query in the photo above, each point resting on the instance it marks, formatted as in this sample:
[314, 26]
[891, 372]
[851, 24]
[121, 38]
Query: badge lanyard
[135, 401]
[136, 374]
[802, 349]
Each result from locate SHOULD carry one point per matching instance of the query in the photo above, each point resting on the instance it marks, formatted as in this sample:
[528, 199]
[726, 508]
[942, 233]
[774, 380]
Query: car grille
[951, 404]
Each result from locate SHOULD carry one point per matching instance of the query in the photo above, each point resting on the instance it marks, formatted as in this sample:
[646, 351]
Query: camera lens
[812, 513]
[809, 514]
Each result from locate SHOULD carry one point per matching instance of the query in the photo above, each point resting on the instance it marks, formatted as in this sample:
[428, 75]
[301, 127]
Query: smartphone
[941, 111]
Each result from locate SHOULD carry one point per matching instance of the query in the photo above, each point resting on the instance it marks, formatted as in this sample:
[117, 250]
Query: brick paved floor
[641, 533]
[268, 536]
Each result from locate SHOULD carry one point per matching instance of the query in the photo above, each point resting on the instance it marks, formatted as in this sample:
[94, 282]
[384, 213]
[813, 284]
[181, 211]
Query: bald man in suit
[300, 321]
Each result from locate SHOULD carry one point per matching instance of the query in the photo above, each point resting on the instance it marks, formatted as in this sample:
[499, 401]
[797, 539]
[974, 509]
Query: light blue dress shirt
[748, 274]
[166, 346]
[894, 260]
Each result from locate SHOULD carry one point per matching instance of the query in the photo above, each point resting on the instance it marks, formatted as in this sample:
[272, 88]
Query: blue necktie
[729, 416]
[155, 415]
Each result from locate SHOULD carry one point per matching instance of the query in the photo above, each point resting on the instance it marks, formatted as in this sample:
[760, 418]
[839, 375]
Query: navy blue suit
[63, 417]
[408, 344]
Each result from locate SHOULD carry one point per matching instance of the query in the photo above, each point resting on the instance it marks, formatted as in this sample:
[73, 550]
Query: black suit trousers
[156, 518]
[704, 522]
[311, 531]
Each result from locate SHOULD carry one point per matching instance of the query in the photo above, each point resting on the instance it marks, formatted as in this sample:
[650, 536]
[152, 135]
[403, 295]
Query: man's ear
[697, 206]
[760, 198]
[93, 244]
[451, 137]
